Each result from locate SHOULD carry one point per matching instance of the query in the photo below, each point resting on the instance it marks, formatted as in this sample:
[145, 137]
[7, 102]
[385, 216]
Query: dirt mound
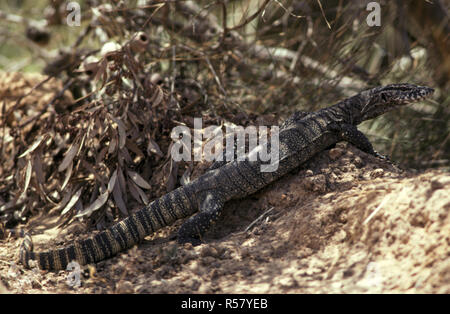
[344, 222]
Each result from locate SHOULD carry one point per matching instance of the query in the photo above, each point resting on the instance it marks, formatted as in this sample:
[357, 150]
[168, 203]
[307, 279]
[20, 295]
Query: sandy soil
[346, 222]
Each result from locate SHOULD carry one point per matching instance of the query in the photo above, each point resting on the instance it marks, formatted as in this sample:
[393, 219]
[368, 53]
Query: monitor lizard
[201, 201]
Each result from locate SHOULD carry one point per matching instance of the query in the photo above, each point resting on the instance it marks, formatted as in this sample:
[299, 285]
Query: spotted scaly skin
[301, 137]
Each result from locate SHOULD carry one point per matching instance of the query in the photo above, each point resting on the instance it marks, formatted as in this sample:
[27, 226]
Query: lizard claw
[383, 157]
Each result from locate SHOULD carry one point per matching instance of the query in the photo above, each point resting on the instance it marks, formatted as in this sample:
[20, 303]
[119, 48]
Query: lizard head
[379, 100]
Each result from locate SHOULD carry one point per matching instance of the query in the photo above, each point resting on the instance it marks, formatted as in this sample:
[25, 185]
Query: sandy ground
[345, 222]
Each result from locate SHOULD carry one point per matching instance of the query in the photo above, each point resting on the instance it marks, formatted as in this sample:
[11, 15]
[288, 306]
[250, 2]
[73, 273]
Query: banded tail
[117, 238]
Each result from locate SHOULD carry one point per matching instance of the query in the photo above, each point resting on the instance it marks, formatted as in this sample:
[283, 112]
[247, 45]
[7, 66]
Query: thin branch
[224, 20]
[323, 13]
[287, 11]
[250, 226]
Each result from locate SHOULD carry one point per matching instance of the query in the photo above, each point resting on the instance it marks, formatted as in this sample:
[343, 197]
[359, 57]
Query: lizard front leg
[350, 133]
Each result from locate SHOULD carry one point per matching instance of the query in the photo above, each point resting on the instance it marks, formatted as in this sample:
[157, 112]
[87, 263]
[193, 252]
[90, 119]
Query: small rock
[316, 183]
[335, 153]
[214, 274]
[288, 282]
[125, 287]
[205, 288]
[359, 163]
[340, 236]
[156, 78]
[3, 289]
[439, 183]
[377, 173]
[193, 284]
[188, 246]
[35, 284]
[207, 260]
[209, 250]
[348, 272]
[418, 220]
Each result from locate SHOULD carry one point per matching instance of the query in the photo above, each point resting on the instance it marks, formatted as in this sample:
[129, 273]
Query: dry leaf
[67, 176]
[186, 177]
[69, 157]
[134, 148]
[101, 155]
[72, 202]
[33, 146]
[113, 142]
[99, 202]
[122, 182]
[101, 71]
[117, 194]
[112, 181]
[138, 179]
[142, 195]
[27, 179]
[171, 177]
[123, 153]
[37, 168]
[133, 191]
[122, 132]
[154, 148]
[158, 96]
[82, 143]
[62, 203]
[91, 170]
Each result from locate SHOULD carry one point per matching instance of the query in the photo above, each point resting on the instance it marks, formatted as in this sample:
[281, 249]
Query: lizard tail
[83, 252]
[26, 247]
[119, 237]
[93, 249]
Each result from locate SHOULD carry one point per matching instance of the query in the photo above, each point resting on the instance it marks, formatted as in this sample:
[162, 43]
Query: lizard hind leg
[191, 231]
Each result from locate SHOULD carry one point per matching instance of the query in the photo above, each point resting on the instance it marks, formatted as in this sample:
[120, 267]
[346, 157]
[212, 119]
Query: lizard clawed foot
[383, 157]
